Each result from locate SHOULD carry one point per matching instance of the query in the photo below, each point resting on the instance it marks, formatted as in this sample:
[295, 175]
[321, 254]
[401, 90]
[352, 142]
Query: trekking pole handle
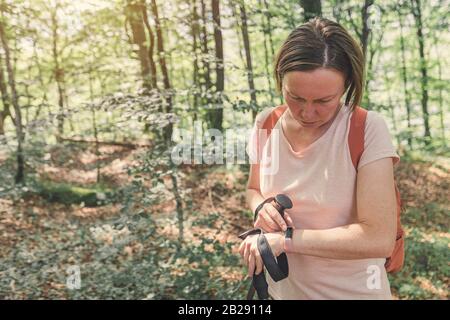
[282, 202]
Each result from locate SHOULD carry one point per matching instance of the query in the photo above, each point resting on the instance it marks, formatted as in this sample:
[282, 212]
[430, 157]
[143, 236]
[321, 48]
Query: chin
[307, 124]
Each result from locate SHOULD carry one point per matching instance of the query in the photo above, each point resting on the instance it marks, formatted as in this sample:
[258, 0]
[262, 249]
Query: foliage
[101, 191]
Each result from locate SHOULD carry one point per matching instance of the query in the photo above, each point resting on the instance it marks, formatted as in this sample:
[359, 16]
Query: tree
[195, 33]
[365, 32]
[58, 69]
[406, 93]
[311, 8]
[266, 27]
[416, 10]
[20, 176]
[206, 68]
[248, 59]
[162, 62]
[133, 12]
[215, 114]
[151, 45]
[5, 99]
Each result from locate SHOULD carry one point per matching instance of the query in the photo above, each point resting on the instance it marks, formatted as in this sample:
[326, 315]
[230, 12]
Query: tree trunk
[311, 9]
[2, 124]
[195, 35]
[15, 102]
[162, 62]
[266, 31]
[270, 32]
[58, 73]
[269, 26]
[441, 102]
[365, 33]
[206, 69]
[151, 47]
[94, 125]
[366, 37]
[217, 111]
[417, 12]
[407, 96]
[44, 100]
[5, 99]
[248, 59]
[133, 12]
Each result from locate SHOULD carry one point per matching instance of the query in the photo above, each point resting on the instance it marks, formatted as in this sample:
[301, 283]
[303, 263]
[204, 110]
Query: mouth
[307, 123]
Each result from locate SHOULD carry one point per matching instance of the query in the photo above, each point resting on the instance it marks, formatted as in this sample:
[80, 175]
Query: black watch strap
[288, 233]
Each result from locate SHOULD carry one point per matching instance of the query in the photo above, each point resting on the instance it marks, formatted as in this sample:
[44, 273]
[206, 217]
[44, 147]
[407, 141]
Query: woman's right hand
[270, 220]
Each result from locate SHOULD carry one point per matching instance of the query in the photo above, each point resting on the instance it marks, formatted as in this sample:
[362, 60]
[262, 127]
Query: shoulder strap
[273, 118]
[356, 134]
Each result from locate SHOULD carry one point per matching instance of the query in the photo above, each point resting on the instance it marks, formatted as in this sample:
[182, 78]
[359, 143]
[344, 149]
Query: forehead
[314, 84]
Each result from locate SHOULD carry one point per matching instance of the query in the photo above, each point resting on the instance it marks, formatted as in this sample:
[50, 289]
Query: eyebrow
[296, 97]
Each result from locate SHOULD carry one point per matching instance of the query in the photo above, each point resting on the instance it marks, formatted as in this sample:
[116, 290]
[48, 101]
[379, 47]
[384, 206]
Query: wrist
[288, 245]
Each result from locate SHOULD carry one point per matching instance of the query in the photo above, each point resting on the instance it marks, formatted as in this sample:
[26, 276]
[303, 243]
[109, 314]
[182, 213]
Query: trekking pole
[277, 267]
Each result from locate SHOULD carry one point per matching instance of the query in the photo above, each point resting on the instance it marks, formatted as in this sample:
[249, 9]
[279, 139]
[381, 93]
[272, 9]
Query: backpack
[395, 261]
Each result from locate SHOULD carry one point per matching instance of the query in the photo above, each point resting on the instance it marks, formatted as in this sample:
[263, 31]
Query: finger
[261, 224]
[266, 227]
[277, 218]
[288, 219]
[241, 248]
[259, 264]
[251, 265]
[267, 217]
[247, 252]
[270, 215]
[242, 252]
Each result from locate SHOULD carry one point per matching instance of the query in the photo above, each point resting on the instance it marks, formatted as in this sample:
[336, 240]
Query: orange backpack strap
[356, 135]
[273, 118]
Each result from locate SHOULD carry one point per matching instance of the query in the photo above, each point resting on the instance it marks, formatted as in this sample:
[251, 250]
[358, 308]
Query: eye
[324, 101]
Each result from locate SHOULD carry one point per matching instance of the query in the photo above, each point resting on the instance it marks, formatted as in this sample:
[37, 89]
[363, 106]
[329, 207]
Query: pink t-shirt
[321, 181]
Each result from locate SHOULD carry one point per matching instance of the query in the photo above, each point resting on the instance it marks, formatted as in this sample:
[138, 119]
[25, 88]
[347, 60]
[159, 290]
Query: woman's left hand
[250, 253]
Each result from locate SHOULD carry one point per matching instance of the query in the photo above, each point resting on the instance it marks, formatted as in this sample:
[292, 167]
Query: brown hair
[322, 43]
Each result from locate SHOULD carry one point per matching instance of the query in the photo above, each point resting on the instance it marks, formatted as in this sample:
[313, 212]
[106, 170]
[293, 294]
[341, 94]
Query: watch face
[289, 232]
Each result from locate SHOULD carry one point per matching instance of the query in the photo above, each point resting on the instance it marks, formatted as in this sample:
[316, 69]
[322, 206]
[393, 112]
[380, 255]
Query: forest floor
[40, 239]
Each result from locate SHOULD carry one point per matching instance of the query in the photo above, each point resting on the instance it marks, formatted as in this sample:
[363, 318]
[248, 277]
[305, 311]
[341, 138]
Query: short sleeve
[256, 137]
[377, 141]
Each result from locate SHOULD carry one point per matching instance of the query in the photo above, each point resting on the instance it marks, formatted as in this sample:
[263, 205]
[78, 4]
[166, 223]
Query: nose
[307, 112]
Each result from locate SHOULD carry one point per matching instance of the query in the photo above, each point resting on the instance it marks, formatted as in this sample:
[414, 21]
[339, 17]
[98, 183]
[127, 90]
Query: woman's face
[313, 97]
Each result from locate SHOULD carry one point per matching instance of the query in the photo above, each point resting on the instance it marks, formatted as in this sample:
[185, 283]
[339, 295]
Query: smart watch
[288, 245]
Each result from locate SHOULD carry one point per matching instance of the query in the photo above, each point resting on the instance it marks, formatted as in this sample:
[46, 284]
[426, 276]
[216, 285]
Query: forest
[98, 95]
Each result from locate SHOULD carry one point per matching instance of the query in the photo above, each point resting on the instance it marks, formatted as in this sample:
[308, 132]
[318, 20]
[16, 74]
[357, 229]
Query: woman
[344, 219]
